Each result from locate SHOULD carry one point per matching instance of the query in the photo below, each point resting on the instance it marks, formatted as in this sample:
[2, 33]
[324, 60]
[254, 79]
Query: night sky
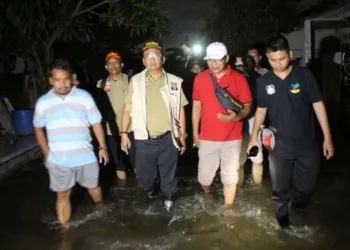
[187, 18]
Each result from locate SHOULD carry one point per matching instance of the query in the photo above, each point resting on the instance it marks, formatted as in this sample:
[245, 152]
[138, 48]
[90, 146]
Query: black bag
[225, 99]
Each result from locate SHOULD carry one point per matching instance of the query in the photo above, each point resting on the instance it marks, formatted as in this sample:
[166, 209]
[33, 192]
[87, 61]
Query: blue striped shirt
[67, 123]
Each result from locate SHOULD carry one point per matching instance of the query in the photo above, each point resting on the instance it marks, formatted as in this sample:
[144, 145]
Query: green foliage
[241, 23]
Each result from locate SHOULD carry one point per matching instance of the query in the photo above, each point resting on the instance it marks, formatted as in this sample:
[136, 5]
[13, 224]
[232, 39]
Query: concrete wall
[297, 38]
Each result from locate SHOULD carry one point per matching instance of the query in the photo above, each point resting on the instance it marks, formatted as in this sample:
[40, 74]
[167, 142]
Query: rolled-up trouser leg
[229, 157]
[230, 160]
[209, 161]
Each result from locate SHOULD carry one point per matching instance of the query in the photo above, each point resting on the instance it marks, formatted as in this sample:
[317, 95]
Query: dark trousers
[117, 156]
[131, 153]
[153, 156]
[292, 168]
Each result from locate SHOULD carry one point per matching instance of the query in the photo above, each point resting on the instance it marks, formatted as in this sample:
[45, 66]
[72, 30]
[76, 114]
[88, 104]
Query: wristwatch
[123, 132]
[103, 148]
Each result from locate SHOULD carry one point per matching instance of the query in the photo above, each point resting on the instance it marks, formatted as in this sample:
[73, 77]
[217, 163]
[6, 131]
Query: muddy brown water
[127, 221]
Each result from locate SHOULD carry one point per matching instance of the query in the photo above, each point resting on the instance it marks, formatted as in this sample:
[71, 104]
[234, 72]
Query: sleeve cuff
[38, 124]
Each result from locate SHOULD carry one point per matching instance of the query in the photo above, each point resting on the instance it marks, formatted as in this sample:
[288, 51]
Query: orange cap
[113, 54]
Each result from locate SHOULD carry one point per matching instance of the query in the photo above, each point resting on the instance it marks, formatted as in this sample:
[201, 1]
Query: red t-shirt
[213, 129]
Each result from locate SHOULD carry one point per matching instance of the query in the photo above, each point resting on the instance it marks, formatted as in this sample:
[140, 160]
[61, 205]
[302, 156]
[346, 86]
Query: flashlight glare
[197, 49]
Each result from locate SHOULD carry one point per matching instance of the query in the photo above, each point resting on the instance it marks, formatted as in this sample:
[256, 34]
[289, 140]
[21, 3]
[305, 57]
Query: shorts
[213, 155]
[64, 178]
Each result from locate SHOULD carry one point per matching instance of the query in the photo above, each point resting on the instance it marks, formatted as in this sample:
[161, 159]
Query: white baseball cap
[216, 51]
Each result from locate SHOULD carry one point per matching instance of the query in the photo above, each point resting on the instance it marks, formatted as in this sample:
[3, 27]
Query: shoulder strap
[214, 81]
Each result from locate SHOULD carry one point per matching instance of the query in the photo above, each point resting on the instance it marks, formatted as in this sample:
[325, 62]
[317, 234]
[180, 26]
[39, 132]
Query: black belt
[157, 138]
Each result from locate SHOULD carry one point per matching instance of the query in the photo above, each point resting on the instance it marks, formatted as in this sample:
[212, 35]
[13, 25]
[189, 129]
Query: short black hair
[60, 64]
[277, 43]
[193, 63]
[254, 48]
[249, 62]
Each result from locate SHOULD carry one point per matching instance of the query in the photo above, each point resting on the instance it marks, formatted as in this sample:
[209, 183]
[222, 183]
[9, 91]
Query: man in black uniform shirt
[289, 94]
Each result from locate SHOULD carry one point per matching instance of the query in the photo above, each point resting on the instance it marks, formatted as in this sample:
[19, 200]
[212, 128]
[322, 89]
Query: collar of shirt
[151, 79]
[119, 78]
[228, 72]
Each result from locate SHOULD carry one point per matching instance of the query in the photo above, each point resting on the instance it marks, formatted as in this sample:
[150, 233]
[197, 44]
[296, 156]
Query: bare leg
[240, 176]
[206, 190]
[121, 175]
[63, 208]
[257, 171]
[229, 194]
[96, 195]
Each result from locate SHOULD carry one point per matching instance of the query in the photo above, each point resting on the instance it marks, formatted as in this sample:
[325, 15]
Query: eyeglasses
[153, 55]
[217, 61]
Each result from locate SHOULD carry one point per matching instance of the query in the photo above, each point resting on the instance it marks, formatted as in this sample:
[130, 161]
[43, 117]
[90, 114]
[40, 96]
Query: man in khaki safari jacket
[155, 105]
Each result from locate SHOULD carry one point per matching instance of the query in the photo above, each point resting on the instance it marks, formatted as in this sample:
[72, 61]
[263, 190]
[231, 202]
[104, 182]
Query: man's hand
[328, 149]
[196, 140]
[252, 143]
[182, 145]
[321, 113]
[125, 143]
[103, 157]
[231, 117]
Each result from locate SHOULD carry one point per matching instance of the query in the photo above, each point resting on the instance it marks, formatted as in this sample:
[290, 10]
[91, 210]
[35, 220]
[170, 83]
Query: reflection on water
[128, 221]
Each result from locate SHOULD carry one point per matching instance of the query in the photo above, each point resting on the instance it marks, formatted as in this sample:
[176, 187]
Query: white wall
[296, 42]
[297, 38]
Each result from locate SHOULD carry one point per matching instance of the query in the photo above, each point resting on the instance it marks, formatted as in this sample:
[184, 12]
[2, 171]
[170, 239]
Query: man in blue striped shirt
[67, 114]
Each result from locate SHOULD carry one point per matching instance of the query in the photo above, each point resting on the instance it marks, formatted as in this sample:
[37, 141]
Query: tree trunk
[35, 79]
[39, 66]
[48, 56]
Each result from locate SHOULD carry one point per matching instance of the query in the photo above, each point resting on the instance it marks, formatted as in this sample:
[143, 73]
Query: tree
[241, 23]
[32, 27]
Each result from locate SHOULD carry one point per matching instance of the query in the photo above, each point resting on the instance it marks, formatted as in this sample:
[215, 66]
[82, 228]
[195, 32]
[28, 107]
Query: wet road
[127, 221]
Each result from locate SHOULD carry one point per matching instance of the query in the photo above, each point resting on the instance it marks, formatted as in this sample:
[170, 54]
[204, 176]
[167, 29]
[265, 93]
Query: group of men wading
[144, 119]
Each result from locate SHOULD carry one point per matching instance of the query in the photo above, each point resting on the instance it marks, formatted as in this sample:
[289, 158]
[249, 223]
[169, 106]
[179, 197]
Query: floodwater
[127, 221]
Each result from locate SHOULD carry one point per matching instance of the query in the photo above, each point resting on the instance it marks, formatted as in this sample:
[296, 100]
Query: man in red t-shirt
[220, 138]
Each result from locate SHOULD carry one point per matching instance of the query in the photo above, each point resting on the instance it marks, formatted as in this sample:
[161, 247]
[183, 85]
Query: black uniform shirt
[289, 104]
